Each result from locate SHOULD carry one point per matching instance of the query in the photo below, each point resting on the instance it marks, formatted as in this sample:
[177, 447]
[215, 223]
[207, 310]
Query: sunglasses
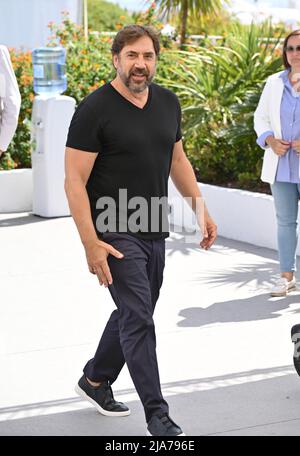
[292, 48]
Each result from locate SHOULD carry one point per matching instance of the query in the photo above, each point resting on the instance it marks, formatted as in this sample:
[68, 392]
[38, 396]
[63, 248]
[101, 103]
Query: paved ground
[224, 345]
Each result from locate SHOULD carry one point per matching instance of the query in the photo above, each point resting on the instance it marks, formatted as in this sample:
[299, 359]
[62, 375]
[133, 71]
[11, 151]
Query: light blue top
[288, 164]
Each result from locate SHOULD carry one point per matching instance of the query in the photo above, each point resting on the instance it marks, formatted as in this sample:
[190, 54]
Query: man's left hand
[210, 233]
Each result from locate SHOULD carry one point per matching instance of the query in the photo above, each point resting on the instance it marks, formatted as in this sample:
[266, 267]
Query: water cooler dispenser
[51, 116]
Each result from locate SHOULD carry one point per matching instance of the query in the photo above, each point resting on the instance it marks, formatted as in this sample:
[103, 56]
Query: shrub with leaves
[18, 154]
[103, 16]
[219, 88]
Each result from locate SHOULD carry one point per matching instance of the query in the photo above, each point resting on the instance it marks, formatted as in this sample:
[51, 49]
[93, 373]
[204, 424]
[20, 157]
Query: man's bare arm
[78, 167]
[184, 178]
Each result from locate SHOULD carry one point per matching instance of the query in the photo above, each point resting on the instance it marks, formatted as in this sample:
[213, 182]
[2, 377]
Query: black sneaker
[295, 334]
[163, 425]
[102, 398]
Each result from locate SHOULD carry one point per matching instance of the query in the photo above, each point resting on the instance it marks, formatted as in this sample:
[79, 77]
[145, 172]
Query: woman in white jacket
[10, 100]
[277, 124]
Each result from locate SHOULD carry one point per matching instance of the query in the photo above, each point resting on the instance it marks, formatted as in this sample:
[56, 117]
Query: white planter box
[240, 215]
[16, 190]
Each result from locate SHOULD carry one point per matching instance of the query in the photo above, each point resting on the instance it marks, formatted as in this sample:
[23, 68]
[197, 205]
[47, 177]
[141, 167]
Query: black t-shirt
[128, 185]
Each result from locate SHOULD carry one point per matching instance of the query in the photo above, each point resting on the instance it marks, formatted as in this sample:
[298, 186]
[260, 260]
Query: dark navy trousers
[129, 335]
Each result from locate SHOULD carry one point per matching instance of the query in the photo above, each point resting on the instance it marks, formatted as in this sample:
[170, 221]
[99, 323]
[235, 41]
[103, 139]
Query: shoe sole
[84, 396]
[283, 293]
[178, 435]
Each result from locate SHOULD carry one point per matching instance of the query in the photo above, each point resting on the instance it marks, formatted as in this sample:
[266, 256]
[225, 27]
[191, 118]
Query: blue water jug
[49, 70]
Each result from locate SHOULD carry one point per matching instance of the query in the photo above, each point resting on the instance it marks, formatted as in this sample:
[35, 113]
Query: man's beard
[136, 87]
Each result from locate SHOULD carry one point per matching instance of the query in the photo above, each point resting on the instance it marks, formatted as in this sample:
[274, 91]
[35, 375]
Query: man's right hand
[279, 146]
[96, 254]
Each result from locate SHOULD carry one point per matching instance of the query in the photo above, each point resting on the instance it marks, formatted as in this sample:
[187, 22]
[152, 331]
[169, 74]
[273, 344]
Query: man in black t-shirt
[123, 143]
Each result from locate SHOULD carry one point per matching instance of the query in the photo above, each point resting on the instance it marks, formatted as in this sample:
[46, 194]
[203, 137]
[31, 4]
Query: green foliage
[18, 154]
[185, 9]
[151, 17]
[218, 23]
[219, 88]
[210, 23]
[105, 16]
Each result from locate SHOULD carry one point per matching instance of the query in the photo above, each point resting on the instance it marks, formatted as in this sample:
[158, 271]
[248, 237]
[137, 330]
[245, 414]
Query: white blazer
[267, 117]
[10, 99]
